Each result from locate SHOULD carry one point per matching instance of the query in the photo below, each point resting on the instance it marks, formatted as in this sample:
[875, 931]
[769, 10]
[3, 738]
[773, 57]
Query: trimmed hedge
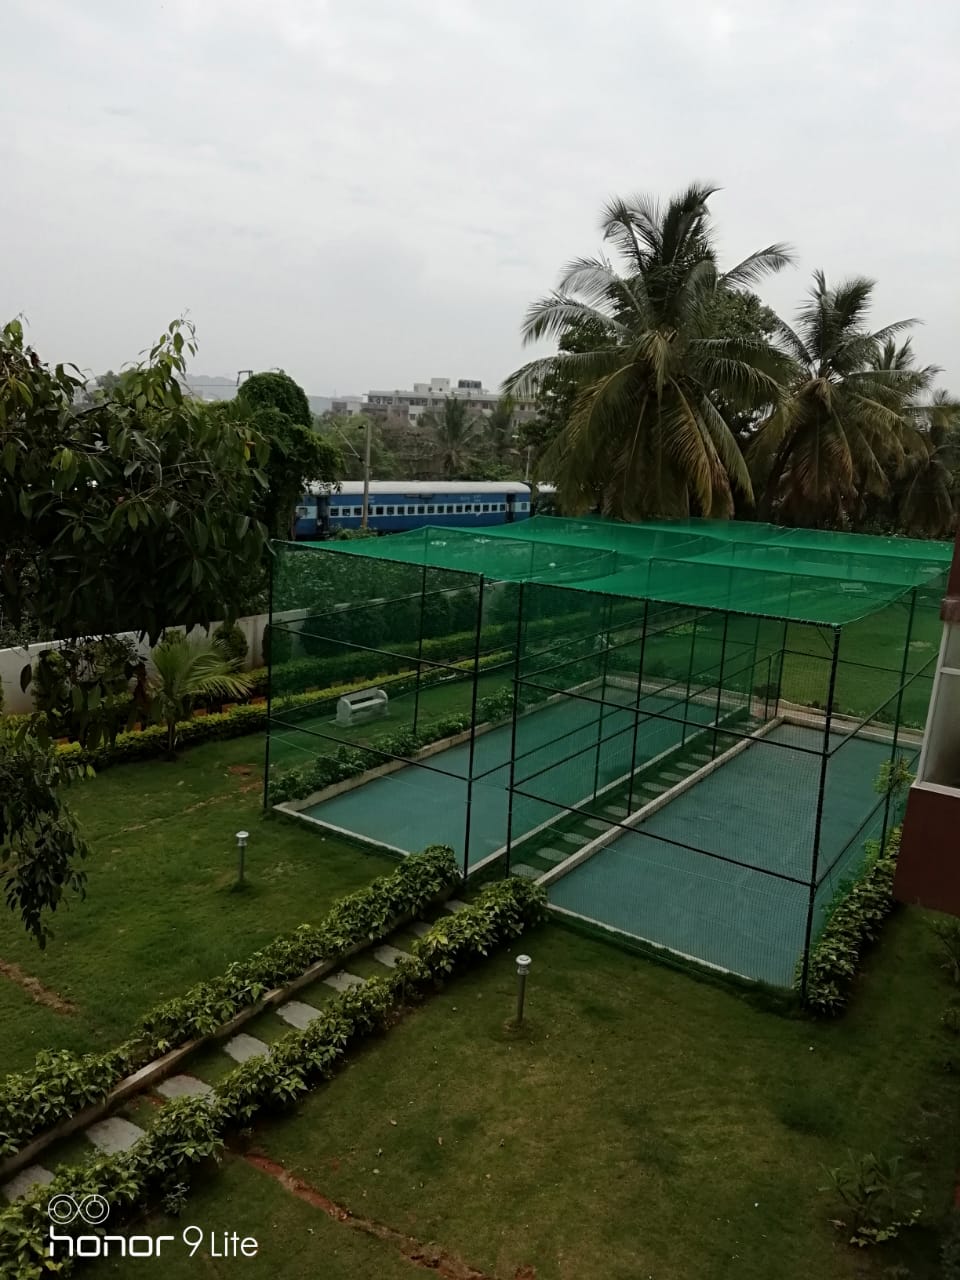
[62, 1083]
[855, 923]
[188, 1131]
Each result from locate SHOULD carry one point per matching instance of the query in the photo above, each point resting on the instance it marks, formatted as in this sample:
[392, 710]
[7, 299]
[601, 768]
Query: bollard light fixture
[523, 968]
[242, 838]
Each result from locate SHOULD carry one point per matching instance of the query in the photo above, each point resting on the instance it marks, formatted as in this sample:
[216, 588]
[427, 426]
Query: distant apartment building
[429, 396]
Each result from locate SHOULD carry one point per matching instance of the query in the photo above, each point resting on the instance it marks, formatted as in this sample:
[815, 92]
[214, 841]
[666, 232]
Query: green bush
[61, 1083]
[277, 644]
[233, 641]
[190, 1130]
[879, 1197]
[856, 921]
[947, 934]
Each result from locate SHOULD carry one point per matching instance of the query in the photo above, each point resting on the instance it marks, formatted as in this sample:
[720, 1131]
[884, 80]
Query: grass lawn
[645, 1124]
[160, 914]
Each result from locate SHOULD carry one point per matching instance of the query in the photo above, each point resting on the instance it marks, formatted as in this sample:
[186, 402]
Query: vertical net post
[686, 703]
[604, 659]
[899, 712]
[416, 691]
[513, 729]
[473, 724]
[636, 709]
[824, 761]
[716, 718]
[270, 655]
[783, 659]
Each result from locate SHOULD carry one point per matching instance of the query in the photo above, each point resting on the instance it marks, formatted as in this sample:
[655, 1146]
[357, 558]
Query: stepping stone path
[553, 855]
[454, 905]
[343, 981]
[242, 1047]
[113, 1135]
[32, 1176]
[183, 1087]
[297, 1013]
[524, 869]
[616, 810]
[390, 955]
[597, 824]
[571, 837]
[421, 928]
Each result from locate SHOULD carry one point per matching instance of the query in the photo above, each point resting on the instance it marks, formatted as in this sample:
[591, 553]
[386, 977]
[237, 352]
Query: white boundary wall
[12, 661]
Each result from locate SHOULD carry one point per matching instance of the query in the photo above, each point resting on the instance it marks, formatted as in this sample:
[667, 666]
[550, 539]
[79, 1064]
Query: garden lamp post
[523, 968]
[242, 837]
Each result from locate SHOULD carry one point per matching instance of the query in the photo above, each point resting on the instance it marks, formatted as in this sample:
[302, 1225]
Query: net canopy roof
[803, 575]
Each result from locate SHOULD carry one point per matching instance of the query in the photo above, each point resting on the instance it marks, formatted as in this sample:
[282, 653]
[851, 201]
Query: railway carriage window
[503, 506]
[468, 506]
[486, 506]
[334, 511]
[378, 511]
[460, 506]
[430, 511]
[449, 508]
[420, 511]
[389, 511]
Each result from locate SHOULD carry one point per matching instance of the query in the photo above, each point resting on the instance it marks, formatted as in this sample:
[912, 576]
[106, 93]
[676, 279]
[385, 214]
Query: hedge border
[189, 1131]
[77, 1082]
[854, 924]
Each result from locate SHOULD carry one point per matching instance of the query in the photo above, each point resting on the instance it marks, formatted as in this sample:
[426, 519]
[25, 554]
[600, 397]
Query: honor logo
[93, 1211]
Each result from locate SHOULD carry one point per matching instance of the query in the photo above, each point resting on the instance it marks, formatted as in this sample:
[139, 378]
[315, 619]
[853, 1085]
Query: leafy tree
[346, 432]
[130, 515]
[645, 434]
[126, 514]
[276, 390]
[840, 427]
[187, 670]
[455, 433]
[84, 689]
[40, 843]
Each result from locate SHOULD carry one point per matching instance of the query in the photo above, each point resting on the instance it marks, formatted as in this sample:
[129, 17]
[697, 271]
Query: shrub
[855, 922]
[233, 640]
[880, 1197]
[950, 1248]
[947, 934]
[277, 645]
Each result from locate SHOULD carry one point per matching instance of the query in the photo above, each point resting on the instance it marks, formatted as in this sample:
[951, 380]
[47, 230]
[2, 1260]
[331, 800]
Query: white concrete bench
[365, 704]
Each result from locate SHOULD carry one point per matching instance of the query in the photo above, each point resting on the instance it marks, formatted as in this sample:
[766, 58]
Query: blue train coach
[398, 505]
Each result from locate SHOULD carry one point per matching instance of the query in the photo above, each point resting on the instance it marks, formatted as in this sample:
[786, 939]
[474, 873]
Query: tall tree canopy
[840, 428]
[277, 390]
[646, 435]
[455, 432]
[134, 513]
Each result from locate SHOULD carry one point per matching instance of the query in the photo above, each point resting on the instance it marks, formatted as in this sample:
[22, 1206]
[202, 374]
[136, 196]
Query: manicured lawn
[160, 913]
[644, 1124]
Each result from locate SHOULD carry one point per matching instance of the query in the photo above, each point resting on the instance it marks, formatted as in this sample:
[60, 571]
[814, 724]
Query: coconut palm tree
[455, 433]
[498, 427]
[841, 428]
[922, 483]
[645, 435]
[186, 670]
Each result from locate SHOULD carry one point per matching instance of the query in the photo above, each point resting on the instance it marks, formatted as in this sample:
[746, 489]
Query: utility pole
[366, 473]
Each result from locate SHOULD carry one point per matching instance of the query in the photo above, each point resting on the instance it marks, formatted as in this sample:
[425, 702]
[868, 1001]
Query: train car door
[511, 507]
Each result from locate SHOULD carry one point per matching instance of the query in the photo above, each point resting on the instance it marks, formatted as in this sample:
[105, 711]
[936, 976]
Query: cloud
[372, 193]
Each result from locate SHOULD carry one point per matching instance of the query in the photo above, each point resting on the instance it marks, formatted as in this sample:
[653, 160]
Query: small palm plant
[187, 670]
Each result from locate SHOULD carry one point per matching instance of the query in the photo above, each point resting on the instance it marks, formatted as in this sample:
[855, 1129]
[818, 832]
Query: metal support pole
[366, 473]
[473, 726]
[686, 704]
[608, 609]
[723, 658]
[815, 861]
[783, 659]
[636, 709]
[896, 724]
[513, 728]
[416, 694]
[270, 661]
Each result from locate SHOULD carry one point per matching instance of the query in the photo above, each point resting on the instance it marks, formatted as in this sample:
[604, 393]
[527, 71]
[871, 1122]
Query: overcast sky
[368, 192]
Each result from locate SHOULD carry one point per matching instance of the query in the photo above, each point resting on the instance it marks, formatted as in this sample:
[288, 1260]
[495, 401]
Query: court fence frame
[541, 690]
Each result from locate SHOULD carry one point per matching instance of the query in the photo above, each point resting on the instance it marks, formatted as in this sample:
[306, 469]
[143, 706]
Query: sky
[371, 192]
